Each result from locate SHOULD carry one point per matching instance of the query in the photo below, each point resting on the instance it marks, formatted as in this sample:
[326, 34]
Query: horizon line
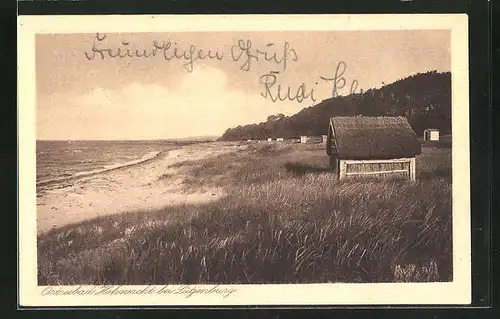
[142, 139]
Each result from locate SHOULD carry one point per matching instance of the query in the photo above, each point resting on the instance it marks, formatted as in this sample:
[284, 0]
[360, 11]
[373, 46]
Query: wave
[107, 168]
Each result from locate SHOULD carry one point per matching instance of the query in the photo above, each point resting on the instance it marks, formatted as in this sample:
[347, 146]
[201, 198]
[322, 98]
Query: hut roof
[374, 137]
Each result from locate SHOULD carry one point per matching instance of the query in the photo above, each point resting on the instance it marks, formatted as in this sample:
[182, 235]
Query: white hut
[324, 138]
[279, 139]
[304, 139]
[431, 134]
[269, 139]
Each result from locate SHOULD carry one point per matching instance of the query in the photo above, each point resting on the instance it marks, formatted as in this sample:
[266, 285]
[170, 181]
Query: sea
[57, 161]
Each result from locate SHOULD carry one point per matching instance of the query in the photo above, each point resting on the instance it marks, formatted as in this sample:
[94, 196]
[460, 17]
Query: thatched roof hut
[372, 137]
[372, 140]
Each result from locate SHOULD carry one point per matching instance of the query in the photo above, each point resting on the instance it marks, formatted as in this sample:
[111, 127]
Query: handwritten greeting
[243, 53]
[184, 291]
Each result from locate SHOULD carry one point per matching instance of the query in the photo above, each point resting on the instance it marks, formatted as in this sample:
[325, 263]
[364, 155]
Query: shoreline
[81, 175]
[135, 187]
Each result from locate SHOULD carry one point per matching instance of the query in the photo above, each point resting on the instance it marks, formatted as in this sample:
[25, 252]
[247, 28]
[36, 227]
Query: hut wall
[434, 135]
[311, 139]
[404, 167]
[426, 135]
[315, 139]
[431, 135]
[330, 148]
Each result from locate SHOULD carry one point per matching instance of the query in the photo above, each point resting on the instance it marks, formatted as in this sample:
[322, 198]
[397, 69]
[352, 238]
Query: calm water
[62, 159]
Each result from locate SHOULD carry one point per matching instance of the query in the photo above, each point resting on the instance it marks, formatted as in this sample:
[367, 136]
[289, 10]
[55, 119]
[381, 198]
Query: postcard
[243, 160]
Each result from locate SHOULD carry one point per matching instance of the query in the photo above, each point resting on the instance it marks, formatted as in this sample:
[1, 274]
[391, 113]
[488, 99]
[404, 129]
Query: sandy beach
[134, 188]
[279, 215]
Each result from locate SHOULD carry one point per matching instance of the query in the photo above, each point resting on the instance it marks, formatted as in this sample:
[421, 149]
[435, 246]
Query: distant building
[372, 146]
[324, 138]
[431, 134]
[269, 139]
[279, 139]
[310, 139]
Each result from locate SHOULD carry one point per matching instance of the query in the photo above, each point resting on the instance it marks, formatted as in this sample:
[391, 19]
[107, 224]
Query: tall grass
[284, 219]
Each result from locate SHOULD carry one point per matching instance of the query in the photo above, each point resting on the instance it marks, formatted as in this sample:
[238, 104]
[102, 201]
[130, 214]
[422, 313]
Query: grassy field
[285, 219]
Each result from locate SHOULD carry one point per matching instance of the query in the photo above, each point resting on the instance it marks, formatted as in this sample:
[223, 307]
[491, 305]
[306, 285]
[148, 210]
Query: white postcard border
[456, 292]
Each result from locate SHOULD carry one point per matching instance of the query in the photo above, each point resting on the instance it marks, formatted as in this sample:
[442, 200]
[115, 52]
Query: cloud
[203, 103]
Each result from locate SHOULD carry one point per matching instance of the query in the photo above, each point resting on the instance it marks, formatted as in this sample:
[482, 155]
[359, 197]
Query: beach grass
[285, 218]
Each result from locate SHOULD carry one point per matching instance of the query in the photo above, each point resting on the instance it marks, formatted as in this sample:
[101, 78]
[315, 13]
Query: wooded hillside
[424, 98]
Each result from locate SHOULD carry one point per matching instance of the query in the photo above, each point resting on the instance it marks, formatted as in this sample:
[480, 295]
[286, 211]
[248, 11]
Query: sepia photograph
[202, 161]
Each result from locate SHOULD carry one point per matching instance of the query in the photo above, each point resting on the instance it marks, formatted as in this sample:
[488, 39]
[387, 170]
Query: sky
[85, 92]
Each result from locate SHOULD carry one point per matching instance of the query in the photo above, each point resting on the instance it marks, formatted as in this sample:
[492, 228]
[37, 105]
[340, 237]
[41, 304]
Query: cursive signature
[300, 94]
[243, 51]
[276, 92]
[339, 81]
[168, 50]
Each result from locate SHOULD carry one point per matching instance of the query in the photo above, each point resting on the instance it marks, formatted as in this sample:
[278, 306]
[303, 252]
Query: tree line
[423, 98]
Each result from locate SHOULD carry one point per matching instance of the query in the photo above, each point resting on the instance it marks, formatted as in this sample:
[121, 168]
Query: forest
[423, 98]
